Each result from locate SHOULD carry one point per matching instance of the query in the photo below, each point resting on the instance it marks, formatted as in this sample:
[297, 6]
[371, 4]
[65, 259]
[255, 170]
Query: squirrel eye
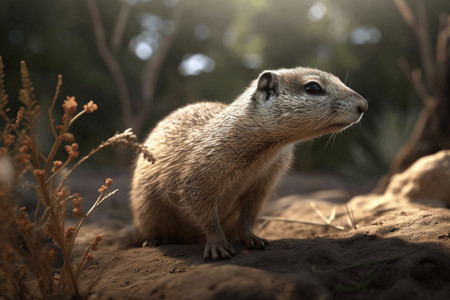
[313, 88]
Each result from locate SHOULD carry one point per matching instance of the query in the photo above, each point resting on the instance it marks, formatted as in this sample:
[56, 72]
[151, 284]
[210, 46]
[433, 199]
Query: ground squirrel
[216, 163]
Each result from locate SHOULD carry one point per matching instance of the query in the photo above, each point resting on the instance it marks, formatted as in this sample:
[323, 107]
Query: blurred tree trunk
[432, 83]
[132, 118]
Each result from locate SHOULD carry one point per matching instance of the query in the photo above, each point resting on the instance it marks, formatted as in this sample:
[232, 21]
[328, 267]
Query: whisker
[334, 140]
[328, 141]
[309, 147]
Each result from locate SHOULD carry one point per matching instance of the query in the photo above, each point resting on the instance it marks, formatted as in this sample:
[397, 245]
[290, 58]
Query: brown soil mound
[399, 250]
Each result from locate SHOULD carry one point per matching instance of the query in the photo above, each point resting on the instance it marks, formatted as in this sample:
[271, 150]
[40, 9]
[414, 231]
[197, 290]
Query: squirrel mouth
[338, 125]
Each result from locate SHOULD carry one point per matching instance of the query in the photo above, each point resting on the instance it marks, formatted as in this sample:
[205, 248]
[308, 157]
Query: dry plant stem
[118, 138]
[58, 236]
[27, 93]
[50, 109]
[76, 117]
[56, 144]
[35, 255]
[59, 170]
[58, 141]
[99, 201]
[278, 219]
[82, 262]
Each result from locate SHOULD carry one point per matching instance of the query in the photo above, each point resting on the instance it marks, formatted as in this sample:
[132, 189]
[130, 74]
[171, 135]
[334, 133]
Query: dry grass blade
[326, 220]
[279, 219]
[332, 216]
[351, 216]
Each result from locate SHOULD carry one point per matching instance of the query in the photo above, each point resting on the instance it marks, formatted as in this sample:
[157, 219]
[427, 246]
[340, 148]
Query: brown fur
[216, 164]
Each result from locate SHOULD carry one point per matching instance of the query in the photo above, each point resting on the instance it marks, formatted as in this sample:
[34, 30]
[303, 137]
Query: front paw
[252, 241]
[216, 248]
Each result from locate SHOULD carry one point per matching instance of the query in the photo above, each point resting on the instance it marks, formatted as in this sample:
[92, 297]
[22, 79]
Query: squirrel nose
[362, 105]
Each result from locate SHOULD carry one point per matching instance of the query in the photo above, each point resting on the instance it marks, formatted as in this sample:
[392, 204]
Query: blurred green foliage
[359, 41]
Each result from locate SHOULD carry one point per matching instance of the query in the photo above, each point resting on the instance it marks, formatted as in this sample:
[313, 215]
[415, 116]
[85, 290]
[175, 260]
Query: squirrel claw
[218, 249]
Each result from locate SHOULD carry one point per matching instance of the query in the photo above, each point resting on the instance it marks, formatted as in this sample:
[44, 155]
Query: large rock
[426, 181]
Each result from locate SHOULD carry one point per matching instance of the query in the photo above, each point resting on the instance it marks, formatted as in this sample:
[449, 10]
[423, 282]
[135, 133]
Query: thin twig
[127, 137]
[76, 117]
[59, 170]
[99, 201]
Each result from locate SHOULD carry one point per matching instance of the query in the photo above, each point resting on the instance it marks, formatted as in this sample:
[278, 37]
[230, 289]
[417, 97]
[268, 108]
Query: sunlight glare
[143, 50]
[193, 65]
[317, 12]
[363, 35]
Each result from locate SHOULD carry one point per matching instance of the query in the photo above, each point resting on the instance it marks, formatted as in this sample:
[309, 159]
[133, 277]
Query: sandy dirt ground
[400, 249]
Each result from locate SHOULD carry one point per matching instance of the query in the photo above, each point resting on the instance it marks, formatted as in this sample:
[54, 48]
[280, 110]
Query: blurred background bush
[218, 47]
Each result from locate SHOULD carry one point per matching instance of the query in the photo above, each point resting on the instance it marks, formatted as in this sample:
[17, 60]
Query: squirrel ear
[267, 87]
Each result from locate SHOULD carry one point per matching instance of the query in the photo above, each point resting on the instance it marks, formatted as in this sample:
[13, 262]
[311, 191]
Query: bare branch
[419, 27]
[111, 63]
[442, 48]
[407, 71]
[122, 19]
[431, 129]
[415, 77]
[425, 47]
[405, 12]
[153, 70]
[443, 39]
